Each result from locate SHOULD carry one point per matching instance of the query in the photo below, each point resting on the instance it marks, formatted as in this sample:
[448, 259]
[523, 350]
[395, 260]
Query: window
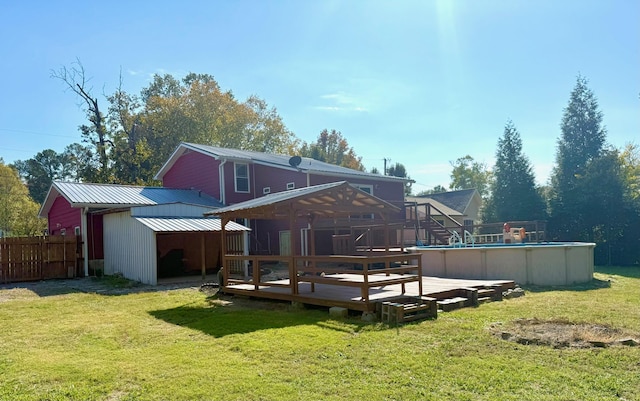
[365, 188]
[76, 230]
[468, 223]
[266, 190]
[291, 185]
[242, 177]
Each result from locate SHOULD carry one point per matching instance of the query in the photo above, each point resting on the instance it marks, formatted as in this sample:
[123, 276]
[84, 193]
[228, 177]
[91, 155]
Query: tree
[630, 161]
[582, 140]
[332, 147]
[197, 110]
[438, 189]
[95, 133]
[40, 171]
[130, 146]
[468, 174]
[513, 192]
[603, 211]
[627, 252]
[131, 142]
[398, 170]
[18, 212]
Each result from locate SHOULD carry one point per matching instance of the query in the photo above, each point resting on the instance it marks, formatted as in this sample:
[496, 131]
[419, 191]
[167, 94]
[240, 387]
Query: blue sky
[417, 82]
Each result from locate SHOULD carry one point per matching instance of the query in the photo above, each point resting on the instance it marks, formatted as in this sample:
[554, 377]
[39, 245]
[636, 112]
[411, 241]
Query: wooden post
[223, 250]
[312, 237]
[293, 271]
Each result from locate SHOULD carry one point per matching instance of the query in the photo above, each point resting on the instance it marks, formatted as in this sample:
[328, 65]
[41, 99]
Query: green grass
[181, 345]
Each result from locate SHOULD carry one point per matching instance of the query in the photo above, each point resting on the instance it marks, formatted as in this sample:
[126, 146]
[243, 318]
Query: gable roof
[439, 206]
[101, 196]
[327, 200]
[456, 200]
[279, 161]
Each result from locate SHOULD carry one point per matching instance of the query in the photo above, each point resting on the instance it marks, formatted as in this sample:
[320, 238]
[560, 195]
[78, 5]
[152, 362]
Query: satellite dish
[295, 161]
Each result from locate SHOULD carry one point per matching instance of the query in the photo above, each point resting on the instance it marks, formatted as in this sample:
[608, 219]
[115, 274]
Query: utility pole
[385, 165]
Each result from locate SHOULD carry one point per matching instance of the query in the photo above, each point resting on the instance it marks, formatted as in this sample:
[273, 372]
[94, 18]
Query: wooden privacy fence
[39, 258]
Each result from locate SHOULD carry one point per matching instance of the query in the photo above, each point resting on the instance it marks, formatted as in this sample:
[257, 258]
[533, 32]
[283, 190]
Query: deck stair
[450, 304]
[465, 297]
[406, 309]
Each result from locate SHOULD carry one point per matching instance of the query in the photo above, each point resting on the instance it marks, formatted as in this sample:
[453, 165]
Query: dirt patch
[564, 334]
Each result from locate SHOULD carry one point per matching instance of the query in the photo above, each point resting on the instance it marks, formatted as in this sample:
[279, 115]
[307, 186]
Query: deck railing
[364, 272]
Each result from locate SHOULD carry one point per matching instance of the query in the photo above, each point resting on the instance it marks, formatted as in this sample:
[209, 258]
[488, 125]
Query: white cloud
[342, 102]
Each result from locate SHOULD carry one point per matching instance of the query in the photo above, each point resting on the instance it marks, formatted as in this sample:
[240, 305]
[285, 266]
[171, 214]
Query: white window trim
[266, 190]
[235, 177]
[291, 185]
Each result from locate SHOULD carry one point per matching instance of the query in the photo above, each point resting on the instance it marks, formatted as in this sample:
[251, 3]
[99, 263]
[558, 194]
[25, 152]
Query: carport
[148, 248]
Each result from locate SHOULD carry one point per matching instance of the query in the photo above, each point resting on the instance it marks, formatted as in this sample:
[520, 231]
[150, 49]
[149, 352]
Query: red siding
[194, 170]
[95, 237]
[62, 215]
[277, 179]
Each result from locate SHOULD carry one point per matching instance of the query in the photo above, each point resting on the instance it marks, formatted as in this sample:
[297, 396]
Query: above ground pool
[547, 263]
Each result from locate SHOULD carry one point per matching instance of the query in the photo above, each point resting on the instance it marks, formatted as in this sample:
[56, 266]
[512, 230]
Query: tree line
[593, 194]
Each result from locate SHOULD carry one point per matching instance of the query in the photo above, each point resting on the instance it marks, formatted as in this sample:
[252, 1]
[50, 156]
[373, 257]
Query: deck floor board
[338, 295]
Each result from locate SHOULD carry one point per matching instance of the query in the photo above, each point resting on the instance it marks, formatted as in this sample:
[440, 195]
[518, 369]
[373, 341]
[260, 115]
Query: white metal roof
[188, 224]
[281, 161]
[112, 195]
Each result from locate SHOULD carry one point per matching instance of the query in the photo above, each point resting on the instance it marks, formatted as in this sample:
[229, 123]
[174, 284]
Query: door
[285, 243]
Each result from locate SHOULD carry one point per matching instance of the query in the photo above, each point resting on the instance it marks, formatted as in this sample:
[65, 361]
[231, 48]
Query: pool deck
[350, 297]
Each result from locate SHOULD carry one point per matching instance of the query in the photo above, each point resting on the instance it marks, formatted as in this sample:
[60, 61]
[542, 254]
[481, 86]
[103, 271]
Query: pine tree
[582, 141]
[513, 192]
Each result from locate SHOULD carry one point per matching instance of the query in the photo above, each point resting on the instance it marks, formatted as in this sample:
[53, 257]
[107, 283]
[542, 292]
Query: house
[144, 233]
[233, 176]
[462, 206]
[438, 214]
[149, 232]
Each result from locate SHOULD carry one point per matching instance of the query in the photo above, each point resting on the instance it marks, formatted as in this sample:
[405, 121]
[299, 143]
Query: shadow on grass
[594, 284]
[105, 285]
[220, 321]
[624, 271]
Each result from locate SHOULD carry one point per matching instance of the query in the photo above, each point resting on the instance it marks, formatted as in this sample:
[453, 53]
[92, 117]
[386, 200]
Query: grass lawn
[182, 345]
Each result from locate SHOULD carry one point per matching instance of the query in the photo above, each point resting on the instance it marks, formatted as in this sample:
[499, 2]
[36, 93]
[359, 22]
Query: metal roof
[281, 161]
[328, 200]
[82, 194]
[188, 224]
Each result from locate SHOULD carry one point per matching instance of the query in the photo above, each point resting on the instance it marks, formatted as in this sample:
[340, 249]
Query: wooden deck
[348, 293]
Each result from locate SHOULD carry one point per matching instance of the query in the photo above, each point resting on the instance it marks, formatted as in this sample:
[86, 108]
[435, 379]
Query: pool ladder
[457, 241]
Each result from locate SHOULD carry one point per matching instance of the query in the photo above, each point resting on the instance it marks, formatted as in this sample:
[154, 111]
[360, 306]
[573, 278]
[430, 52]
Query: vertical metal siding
[130, 248]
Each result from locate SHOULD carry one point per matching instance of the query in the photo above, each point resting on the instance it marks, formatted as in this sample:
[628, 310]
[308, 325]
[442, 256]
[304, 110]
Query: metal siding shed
[130, 248]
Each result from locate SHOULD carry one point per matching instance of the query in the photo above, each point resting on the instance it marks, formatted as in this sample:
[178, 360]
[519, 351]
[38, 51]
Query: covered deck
[354, 277]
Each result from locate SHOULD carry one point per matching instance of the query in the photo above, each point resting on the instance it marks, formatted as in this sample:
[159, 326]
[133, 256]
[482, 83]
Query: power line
[36, 133]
